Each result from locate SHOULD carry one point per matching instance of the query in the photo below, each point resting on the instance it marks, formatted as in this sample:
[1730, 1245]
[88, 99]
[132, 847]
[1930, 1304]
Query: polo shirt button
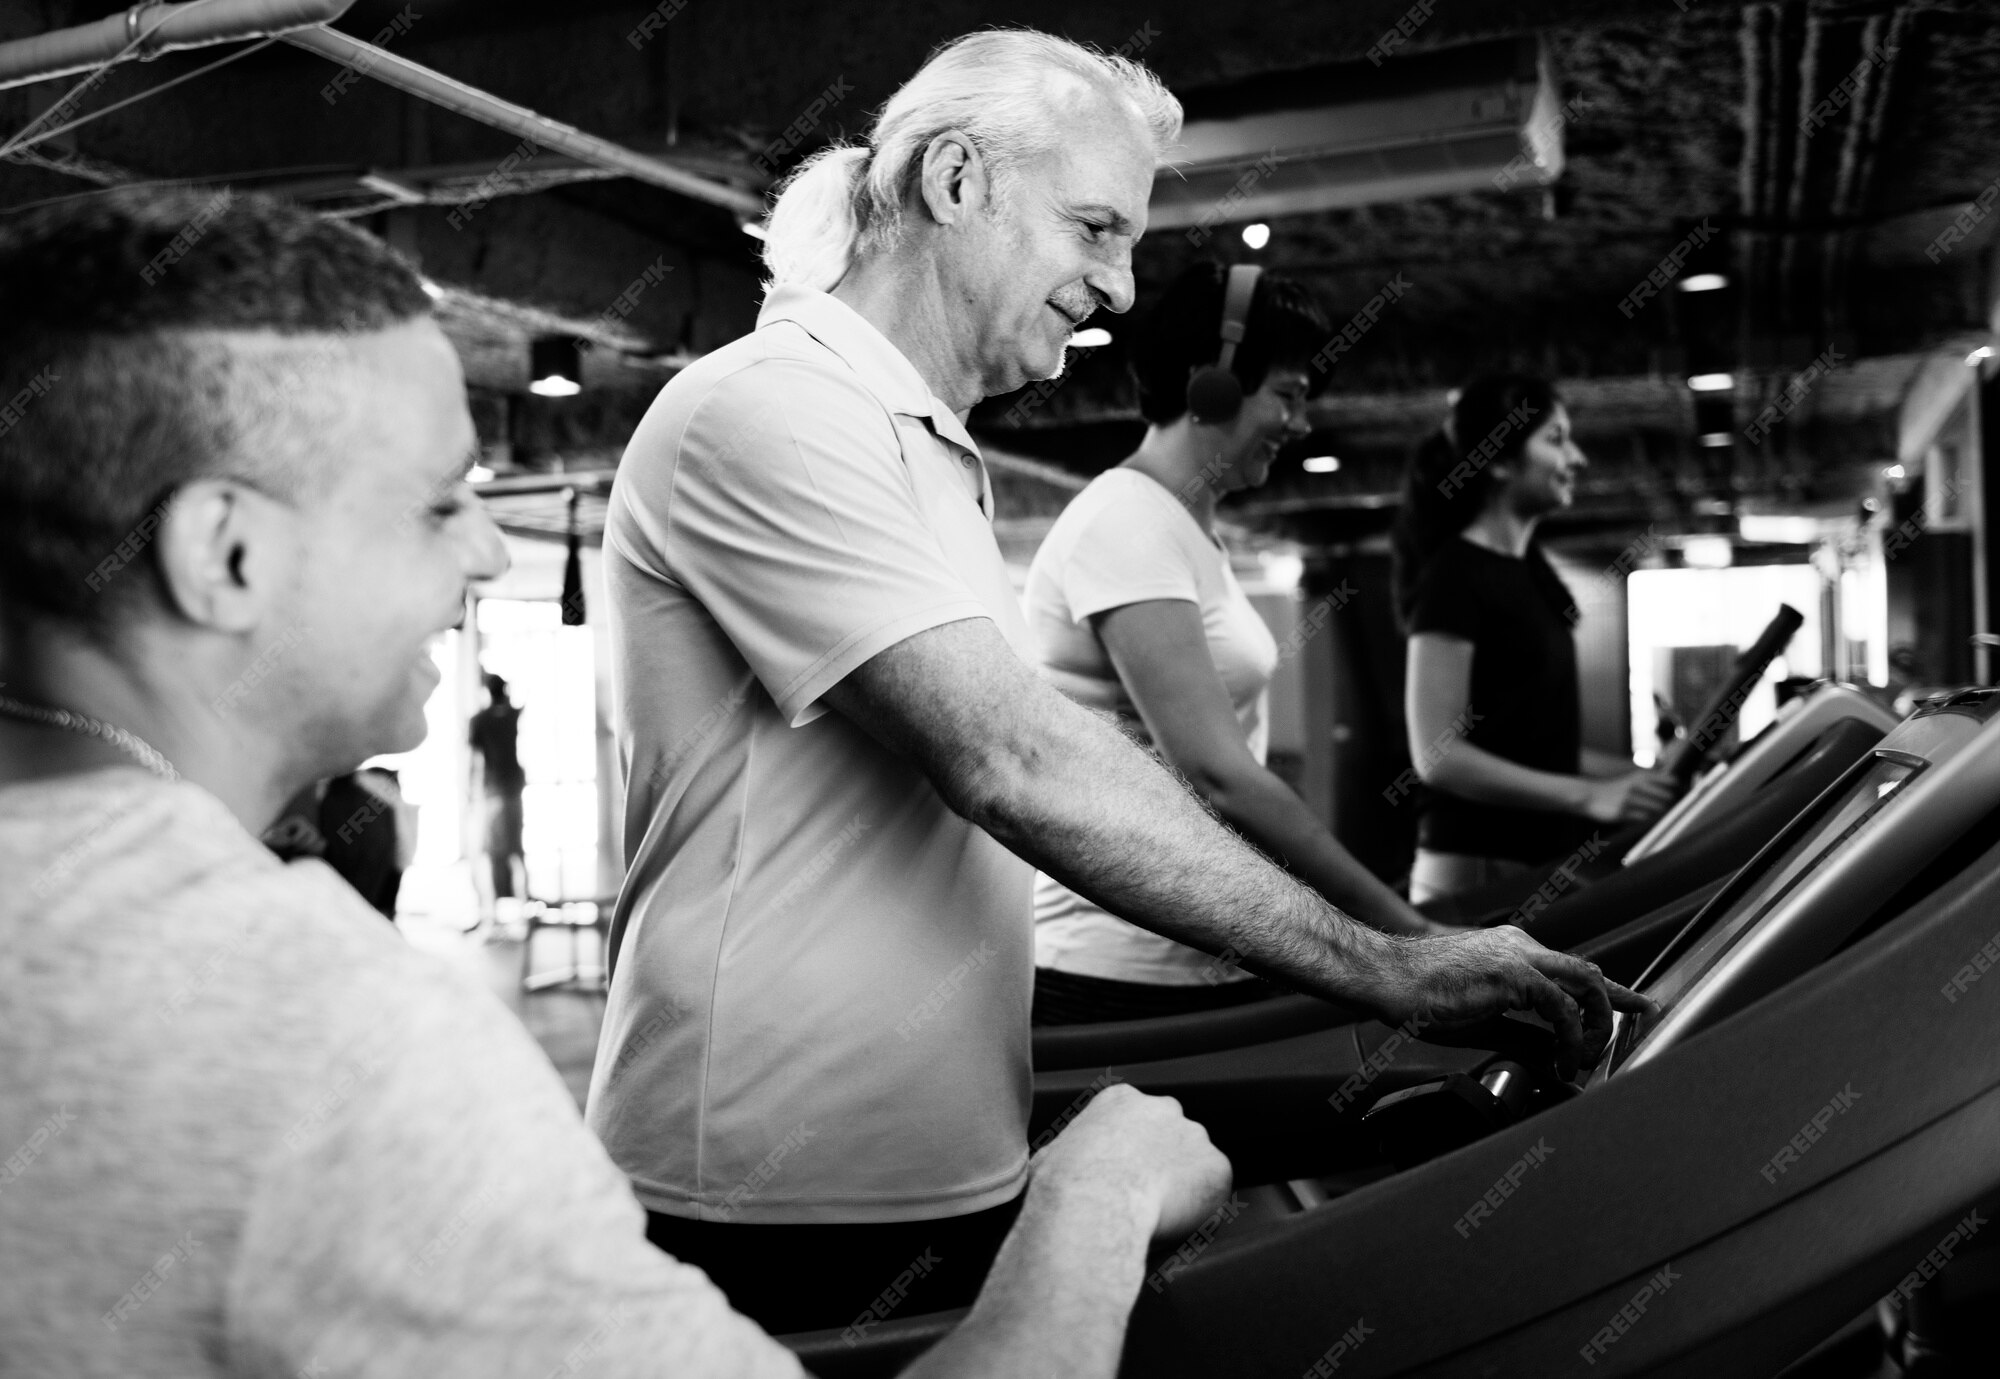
[969, 461]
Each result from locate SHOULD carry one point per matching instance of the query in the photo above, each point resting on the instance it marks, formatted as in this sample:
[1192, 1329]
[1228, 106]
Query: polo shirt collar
[882, 368]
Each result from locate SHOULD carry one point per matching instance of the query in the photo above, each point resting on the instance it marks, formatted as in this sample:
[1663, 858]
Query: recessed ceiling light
[1712, 382]
[1257, 236]
[1321, 464]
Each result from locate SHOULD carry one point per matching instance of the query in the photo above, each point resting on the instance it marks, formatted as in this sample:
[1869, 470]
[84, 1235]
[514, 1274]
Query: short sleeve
[790, 515]
[1129, 549]
[1447, 600]
[440, 1209]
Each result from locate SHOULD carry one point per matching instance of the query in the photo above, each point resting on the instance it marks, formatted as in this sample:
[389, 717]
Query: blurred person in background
[1135, 611]
[1491, 690]
[497, 785]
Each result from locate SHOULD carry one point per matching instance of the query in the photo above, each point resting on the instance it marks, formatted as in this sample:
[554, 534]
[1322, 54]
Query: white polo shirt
[820, 1005]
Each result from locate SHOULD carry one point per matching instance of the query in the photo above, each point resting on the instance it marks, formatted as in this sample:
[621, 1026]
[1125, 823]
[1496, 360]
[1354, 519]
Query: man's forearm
[1266, 811]
[1070, 793]
[1110, 822]
[1058, 1296]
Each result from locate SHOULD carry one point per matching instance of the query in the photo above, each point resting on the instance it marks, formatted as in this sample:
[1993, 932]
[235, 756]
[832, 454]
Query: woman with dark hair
[1491, 693]
[1135, 611]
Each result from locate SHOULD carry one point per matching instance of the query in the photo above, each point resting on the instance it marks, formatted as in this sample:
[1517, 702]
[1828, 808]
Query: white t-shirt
[819, 1009]
[249, 1131]
[1126, 539]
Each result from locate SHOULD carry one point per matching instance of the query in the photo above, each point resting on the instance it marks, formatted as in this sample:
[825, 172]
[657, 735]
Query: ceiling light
[1090, 338]
[1321, 464]
[1702, 282]
[1257, 236]
[1712, 382]
[1894, 471]
[1983, 352]
[1716, 438]
[1707, 552]
[555, 366]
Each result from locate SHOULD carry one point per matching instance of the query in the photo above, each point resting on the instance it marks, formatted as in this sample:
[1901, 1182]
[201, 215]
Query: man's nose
[484, 551]
[1112, 282]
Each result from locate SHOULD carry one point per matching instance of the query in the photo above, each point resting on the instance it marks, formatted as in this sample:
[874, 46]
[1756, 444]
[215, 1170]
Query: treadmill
[1265, 1079]
[1652, 1222]
[1815, 1108]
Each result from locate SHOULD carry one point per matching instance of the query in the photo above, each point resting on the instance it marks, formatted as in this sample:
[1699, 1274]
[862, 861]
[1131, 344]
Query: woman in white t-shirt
[1134, 610]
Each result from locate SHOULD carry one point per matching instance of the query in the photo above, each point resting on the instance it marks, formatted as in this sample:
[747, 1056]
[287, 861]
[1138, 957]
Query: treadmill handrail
[1063, 1048]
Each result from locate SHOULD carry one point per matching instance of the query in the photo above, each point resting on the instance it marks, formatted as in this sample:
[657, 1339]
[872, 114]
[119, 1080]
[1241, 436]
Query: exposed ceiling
[1686, 123]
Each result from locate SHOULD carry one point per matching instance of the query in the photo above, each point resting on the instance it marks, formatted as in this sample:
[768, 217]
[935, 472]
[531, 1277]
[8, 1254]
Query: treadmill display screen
[1883, 777]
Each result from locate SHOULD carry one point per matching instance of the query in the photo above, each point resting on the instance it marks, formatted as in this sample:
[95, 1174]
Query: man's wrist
[1368, 968]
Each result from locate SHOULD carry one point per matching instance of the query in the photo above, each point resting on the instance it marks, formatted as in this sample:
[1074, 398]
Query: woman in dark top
[1491, 696]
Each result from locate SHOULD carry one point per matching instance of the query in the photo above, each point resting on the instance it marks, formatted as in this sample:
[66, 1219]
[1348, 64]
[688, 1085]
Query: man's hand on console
[1126, 1141]
[1462, 978]
[1129, 1169]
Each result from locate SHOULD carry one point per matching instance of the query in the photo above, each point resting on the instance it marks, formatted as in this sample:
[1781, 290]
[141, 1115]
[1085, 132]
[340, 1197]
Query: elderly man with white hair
[842, 767]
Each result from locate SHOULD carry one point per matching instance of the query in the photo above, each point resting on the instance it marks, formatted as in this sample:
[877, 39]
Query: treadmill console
[1825, 875]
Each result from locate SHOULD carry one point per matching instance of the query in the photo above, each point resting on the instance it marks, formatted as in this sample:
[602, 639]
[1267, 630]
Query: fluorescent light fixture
[1713, 439]
[1702, 282]
[1090, 338]
[1708, 552]
[1712, 382]
[1983, 352]
[1779, 530]
[1894, 471]
[1257, 236]
[1322, 464]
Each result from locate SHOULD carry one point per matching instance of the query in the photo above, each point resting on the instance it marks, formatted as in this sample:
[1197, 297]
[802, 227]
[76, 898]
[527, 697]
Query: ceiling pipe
[202, 23]
[545, 133]
[164, 28]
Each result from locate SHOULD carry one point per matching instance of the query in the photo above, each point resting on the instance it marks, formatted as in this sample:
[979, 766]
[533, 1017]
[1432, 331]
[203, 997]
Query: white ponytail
[1008, 89]
[811, 235]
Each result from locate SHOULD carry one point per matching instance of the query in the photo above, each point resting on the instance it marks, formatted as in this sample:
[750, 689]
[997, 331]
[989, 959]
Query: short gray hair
[1002, 87]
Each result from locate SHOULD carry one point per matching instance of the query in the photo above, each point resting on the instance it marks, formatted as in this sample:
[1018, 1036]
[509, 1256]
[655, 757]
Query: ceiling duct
[1473, 118]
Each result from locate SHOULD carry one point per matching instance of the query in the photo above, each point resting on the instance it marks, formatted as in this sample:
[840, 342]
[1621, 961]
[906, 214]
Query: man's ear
[224, 552]
[953, 179]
